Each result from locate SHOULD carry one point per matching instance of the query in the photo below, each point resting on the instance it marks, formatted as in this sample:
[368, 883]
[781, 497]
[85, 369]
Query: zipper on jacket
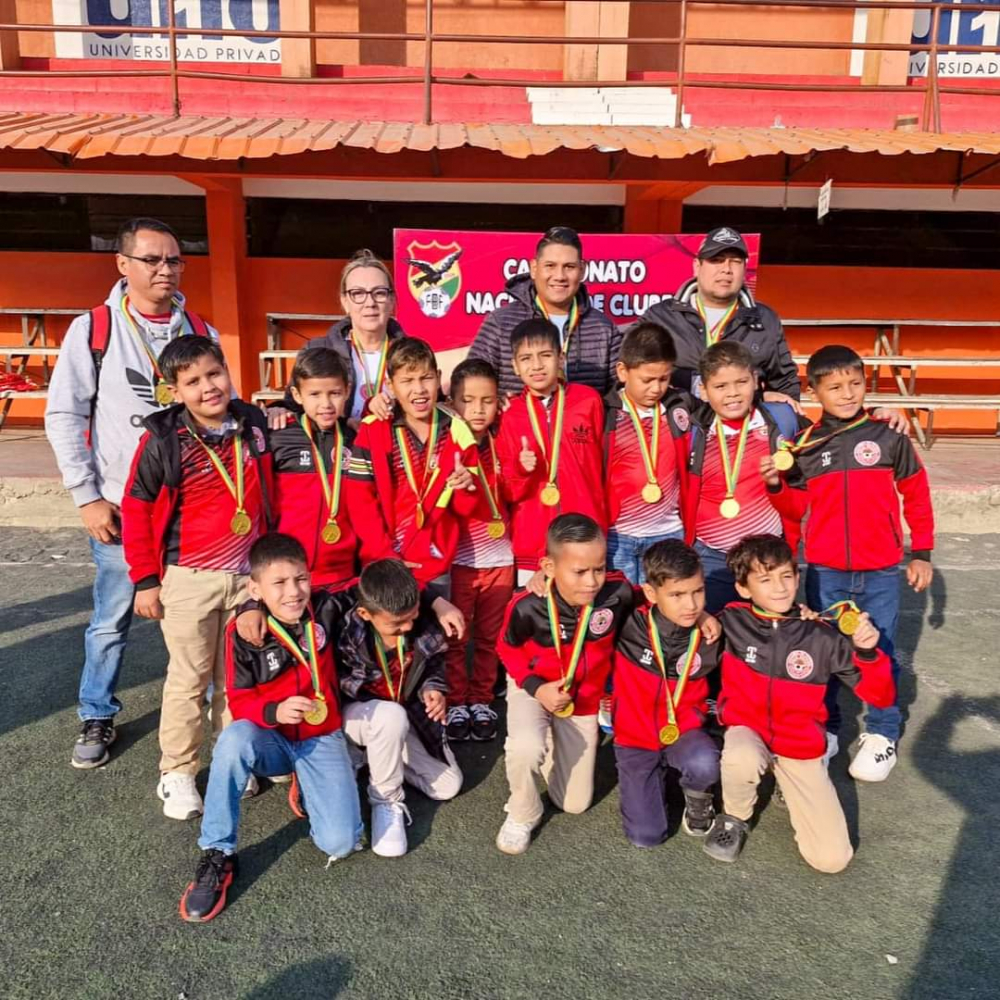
[847, 509]
[770, 692]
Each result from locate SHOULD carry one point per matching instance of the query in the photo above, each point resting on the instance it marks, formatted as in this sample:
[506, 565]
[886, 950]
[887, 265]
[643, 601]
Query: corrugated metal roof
[87, 136]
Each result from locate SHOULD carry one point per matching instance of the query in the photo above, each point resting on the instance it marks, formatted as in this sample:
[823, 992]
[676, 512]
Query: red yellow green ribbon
[370, 388]
[125, 307]
[331, 494]
[713, 334]
[731, 470]
[383, 661]
[694, 641]
[236, 489]
[491, 496]
[549, 451]
[571, 324]
[804, 440]
[429, 451]
[579, 637]
[650, 451]
[312, 663]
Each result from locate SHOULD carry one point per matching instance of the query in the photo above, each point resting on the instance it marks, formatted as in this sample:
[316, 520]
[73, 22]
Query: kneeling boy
[283, 699]
[660, 700]
[775, 669]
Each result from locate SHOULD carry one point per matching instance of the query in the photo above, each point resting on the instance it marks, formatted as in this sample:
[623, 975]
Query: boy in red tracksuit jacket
[776, 665]
[410, 478]
[558, 650]
[659, 704]
[645, 450]
[549, 446]
[849, 472]
[482, 575]
[283, 696]
[197, 498]
[311, 456]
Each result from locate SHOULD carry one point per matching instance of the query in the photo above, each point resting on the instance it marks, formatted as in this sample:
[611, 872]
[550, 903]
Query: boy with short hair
[197, 498]
[660, 696]
[311, 455]
[848, 473]
[558, 651]
[550, 446]
[410, 478]
[730, 434]
[482, 574]
[776, 665]
[645, 451]
[391, 659]
[284, 699]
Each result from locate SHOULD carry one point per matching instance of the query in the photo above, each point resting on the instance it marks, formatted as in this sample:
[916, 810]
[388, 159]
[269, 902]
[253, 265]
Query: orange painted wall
[310, 286]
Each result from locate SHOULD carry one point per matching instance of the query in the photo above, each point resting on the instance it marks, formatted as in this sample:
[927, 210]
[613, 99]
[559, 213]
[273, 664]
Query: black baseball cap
[722, 240]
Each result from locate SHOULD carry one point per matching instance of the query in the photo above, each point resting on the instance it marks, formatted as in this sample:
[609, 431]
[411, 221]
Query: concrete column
[10, 51]
[596, 62]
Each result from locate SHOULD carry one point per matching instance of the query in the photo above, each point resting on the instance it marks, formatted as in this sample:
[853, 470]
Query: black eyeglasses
[359, 296]
[152, 263]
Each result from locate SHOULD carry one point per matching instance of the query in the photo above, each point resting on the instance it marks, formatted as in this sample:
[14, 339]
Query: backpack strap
[100, 334]
[784, 418]
[198, 326]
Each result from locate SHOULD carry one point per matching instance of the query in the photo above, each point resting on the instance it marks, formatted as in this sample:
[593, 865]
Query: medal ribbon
[731, 471]
[579, 637]
[805, 440]
[837, 611]
[331, 494]
[125, 307]
[694, 641]
[712, 335]
[491, 497]
[237, 488]
[571, 324]
[284, 639]
[383, 357]
[551, 454]
[650, 452]
[404, 454]
[383, 661]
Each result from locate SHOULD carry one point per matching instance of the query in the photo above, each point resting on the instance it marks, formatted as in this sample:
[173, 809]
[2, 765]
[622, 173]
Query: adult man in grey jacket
[94, 421]
[553, 289]
[716, 305]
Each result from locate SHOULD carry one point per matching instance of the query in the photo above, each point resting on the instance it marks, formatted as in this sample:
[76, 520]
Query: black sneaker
[91, 747]
[699, 813]
[500, 686]
[205, 897]
[726, 838]
[484, 723]
[459, 724]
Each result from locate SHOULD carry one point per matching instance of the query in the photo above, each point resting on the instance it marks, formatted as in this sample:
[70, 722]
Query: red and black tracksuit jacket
[259, 678]
[638, 701]
[850, 487]
[623, 480]
[301, 504]
[377, 495]
[580, 475]
[775, 673]
[153, 526]
[526, 649]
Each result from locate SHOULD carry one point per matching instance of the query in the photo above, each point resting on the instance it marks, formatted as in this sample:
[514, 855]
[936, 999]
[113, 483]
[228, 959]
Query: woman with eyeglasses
[364, 335]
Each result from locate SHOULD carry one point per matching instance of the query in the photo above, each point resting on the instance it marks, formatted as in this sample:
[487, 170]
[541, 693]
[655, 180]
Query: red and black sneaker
[205, 897]
[295, 801]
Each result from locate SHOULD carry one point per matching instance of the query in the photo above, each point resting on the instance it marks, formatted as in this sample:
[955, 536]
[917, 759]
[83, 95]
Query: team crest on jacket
[346, 460]
[258, 440]
[799, 664]
[600, 621]
[867, 452]
[681, 418]
[320, 639]
[695, 663]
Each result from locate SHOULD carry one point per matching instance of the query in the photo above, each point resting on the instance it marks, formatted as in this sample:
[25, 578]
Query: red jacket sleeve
[141, 546]
[867, 671]
[515, 483]
[245, 702]
[465, 502]
[512, 645]
[362, 496]
[913, 484]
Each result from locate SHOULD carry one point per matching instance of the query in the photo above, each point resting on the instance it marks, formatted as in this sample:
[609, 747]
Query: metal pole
[932, 98]
[681, 59]
[428, 60]
[175, 94]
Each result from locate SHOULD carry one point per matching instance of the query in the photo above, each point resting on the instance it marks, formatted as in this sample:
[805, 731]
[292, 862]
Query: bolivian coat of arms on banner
[434, 276]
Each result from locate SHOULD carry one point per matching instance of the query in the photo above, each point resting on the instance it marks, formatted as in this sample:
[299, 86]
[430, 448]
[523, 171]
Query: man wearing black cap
[716, 305]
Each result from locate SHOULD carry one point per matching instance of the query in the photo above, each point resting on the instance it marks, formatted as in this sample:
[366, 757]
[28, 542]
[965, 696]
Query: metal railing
[681, 79]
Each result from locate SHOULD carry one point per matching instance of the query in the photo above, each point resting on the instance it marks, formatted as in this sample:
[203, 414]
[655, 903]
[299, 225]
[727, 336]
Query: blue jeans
[104, 641]
[720, 585]
[625, 553]
[877, 592]
[326, 778]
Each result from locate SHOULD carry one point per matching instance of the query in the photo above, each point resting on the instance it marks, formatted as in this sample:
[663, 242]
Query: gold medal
[317, 714]
[783, 460]
[496, 529]
[241, 523]
[550, 495]
[565, 712]
[330, 533]
[420, 517]
[669, 734]
[849, 622]
[729, 508]
[652, 493]
[162, 393]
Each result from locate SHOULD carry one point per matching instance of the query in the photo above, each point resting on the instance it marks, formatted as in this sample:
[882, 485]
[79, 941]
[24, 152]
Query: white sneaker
[832, 749]
[875, 758]
[252, 787]
[389, 822]
[179, 796]
[514, 837]
[281, 779]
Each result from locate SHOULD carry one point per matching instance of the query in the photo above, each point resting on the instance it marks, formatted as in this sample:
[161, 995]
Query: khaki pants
[813, 806]
[561, 751]
[395, 755]
[197, 605]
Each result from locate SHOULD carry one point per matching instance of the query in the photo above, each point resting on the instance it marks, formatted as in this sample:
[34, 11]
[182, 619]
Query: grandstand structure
[277, 136]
